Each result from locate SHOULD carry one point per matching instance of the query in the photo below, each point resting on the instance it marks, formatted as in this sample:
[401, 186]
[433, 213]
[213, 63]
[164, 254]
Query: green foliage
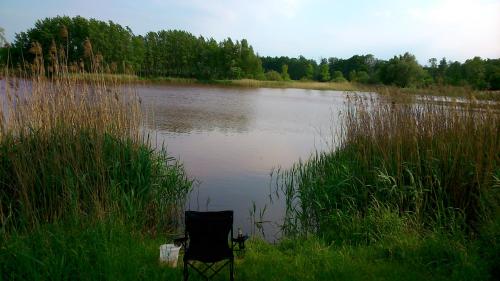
[309, 72]
[117, 45]
[273, 76]
[403, 71]
[324, 72]
[408, 257]
[298, 68]
[359, 76]
[175, 53]
[113, 251]
[2, 37]
[475, 73]
[401, 157]
[337, 76]
[163, 53]
[489, 242]
[409, 186]
[88, 251]
[367, 64]
[284, 73]
[41, 182]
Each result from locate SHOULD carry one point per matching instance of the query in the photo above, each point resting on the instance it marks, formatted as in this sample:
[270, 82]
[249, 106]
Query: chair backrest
[208, 233]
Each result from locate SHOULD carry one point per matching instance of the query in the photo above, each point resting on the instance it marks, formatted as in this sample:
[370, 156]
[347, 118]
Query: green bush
[273, 76]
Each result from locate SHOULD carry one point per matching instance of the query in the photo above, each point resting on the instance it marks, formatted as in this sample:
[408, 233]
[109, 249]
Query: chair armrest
[240, 241]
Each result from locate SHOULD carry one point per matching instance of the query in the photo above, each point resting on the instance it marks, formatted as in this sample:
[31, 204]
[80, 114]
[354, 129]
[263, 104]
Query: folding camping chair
[208, 240]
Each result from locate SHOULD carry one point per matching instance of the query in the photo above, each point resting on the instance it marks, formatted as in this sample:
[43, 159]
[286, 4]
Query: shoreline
[439, 91]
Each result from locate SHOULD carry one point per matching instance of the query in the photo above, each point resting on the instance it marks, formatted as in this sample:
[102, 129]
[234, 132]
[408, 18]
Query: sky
[455, 29]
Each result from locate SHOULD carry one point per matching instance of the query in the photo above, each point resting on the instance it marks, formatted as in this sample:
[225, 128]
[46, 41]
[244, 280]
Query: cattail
[114, 67]
[98, 60]
[63, 32]
[87, 48]
[62, 55]
[53, 49]
[36, 48]
[82, 65]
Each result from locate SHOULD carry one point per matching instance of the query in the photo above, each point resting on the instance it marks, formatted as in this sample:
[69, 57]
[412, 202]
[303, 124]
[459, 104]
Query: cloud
[462, 28]
[458, 29]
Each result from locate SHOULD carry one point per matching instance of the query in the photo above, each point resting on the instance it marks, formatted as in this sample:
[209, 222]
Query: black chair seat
[216, 254]
[208, 239]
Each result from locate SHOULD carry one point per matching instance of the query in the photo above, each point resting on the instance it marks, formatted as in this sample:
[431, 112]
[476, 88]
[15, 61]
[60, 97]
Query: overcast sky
[457, 29]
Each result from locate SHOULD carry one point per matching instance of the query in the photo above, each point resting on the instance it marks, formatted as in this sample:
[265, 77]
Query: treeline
[117, 49]
[181, 54]
[403, 71]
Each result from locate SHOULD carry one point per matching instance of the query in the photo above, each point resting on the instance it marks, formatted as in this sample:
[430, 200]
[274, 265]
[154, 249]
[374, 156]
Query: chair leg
[186, 273]
[231, 270]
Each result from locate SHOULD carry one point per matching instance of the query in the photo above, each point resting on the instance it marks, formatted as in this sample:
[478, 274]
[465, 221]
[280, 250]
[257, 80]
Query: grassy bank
[405, 173]
[80, 186]
[110, 251]
[311, 85]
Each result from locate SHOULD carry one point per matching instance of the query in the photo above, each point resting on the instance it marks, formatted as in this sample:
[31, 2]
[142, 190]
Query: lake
[230, 139]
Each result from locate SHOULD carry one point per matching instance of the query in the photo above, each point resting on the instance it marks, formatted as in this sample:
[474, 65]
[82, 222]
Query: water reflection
[187, 109]
[231, 139]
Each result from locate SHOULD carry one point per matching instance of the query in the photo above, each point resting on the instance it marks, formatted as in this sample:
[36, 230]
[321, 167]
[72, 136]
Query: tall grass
[313, 85]
[72, 148]
[399, 165]
[83, 195]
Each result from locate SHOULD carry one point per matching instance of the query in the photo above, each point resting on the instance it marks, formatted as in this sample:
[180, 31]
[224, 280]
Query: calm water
[230, 140]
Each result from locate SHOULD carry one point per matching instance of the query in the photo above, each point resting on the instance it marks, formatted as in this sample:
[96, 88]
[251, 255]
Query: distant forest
[173, 53]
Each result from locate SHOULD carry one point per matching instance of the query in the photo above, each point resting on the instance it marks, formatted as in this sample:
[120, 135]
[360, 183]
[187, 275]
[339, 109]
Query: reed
[71, 147]
[312, 85]
[399, 165]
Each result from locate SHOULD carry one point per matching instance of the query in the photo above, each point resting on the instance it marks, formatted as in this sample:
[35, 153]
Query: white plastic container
[169, 253]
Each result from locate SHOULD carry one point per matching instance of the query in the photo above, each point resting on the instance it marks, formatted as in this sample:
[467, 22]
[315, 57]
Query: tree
[284, 72]
[475, 73]
[363, 77]
[441, 71]
[273, 75]
[163, 53]
[337, 76]
[3, 40]
[298, 68]
[3, 48]
[493, 73]
[432, 69]
[454, 74]
[403, 71]
[324, 72]
[309, 72]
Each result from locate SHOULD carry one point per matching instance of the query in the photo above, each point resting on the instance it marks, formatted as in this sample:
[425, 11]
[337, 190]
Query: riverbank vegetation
[78, 178]
[416, 183]
[180, 54]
